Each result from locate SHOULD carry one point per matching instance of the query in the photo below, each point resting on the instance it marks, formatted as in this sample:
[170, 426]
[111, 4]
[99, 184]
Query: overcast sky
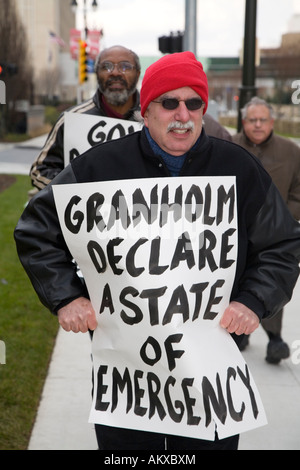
[137, 24]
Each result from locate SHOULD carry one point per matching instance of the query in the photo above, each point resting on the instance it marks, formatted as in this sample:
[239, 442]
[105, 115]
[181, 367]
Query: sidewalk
[19, 162]
[35, 142]
[62, 419]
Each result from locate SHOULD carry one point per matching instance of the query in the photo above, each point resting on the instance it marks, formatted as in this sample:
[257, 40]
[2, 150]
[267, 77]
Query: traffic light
[171, 44]
[164, 44]
[82, 62]
[7, 69]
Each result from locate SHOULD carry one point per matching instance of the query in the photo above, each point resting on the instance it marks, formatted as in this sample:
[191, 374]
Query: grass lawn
[26, 327]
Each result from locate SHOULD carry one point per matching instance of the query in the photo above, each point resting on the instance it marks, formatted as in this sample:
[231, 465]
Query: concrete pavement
[62, 419]
[19, 163]
[35, 142]
[279, 386]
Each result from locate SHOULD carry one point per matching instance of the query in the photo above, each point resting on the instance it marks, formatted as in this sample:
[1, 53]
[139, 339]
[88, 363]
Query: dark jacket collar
[252, 144]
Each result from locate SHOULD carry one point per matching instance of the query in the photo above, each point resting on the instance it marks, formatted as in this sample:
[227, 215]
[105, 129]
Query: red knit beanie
[171, 72]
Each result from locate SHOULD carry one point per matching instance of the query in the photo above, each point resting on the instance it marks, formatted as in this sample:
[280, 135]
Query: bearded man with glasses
[118, 70]
[281, 158]
[171, 148]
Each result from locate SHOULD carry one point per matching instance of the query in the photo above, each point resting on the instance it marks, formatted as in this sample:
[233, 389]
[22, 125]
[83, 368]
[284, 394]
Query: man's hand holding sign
[239, 319]
[78, 316]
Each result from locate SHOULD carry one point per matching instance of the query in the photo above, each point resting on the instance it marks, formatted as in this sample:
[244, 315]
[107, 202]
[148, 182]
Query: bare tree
[49, 80]
[14, 51]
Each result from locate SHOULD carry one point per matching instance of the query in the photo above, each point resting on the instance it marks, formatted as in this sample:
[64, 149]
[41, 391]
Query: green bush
[51, 115]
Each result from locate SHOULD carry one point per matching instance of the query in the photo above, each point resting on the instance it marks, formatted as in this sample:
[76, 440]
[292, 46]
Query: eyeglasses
[192, 104]
[255, 120]
[122, 67]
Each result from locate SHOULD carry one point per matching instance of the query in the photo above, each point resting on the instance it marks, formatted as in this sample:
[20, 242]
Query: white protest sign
[159, 260]
[83, 131]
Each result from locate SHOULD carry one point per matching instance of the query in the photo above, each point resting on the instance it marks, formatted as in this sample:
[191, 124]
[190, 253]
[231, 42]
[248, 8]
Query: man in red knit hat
[186, 104]
[264, 252]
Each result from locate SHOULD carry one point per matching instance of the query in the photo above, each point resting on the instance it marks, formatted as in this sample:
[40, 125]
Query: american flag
[56, 39]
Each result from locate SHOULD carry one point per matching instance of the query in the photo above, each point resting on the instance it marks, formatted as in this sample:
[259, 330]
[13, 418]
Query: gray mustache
[181, 125]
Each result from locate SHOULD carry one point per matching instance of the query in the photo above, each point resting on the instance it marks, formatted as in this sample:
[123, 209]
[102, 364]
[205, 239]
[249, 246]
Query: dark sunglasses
[192, 104]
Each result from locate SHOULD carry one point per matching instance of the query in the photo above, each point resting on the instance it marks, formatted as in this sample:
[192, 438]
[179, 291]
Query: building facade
[48, 24]
[276, 70]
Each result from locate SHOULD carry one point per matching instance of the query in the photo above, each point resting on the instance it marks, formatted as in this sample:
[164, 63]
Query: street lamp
[190, 33]
[82, 46]
[74, 6]
[248, 89]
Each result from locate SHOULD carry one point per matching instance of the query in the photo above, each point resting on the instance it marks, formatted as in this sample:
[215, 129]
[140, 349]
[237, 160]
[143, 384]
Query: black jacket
[268, 236]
